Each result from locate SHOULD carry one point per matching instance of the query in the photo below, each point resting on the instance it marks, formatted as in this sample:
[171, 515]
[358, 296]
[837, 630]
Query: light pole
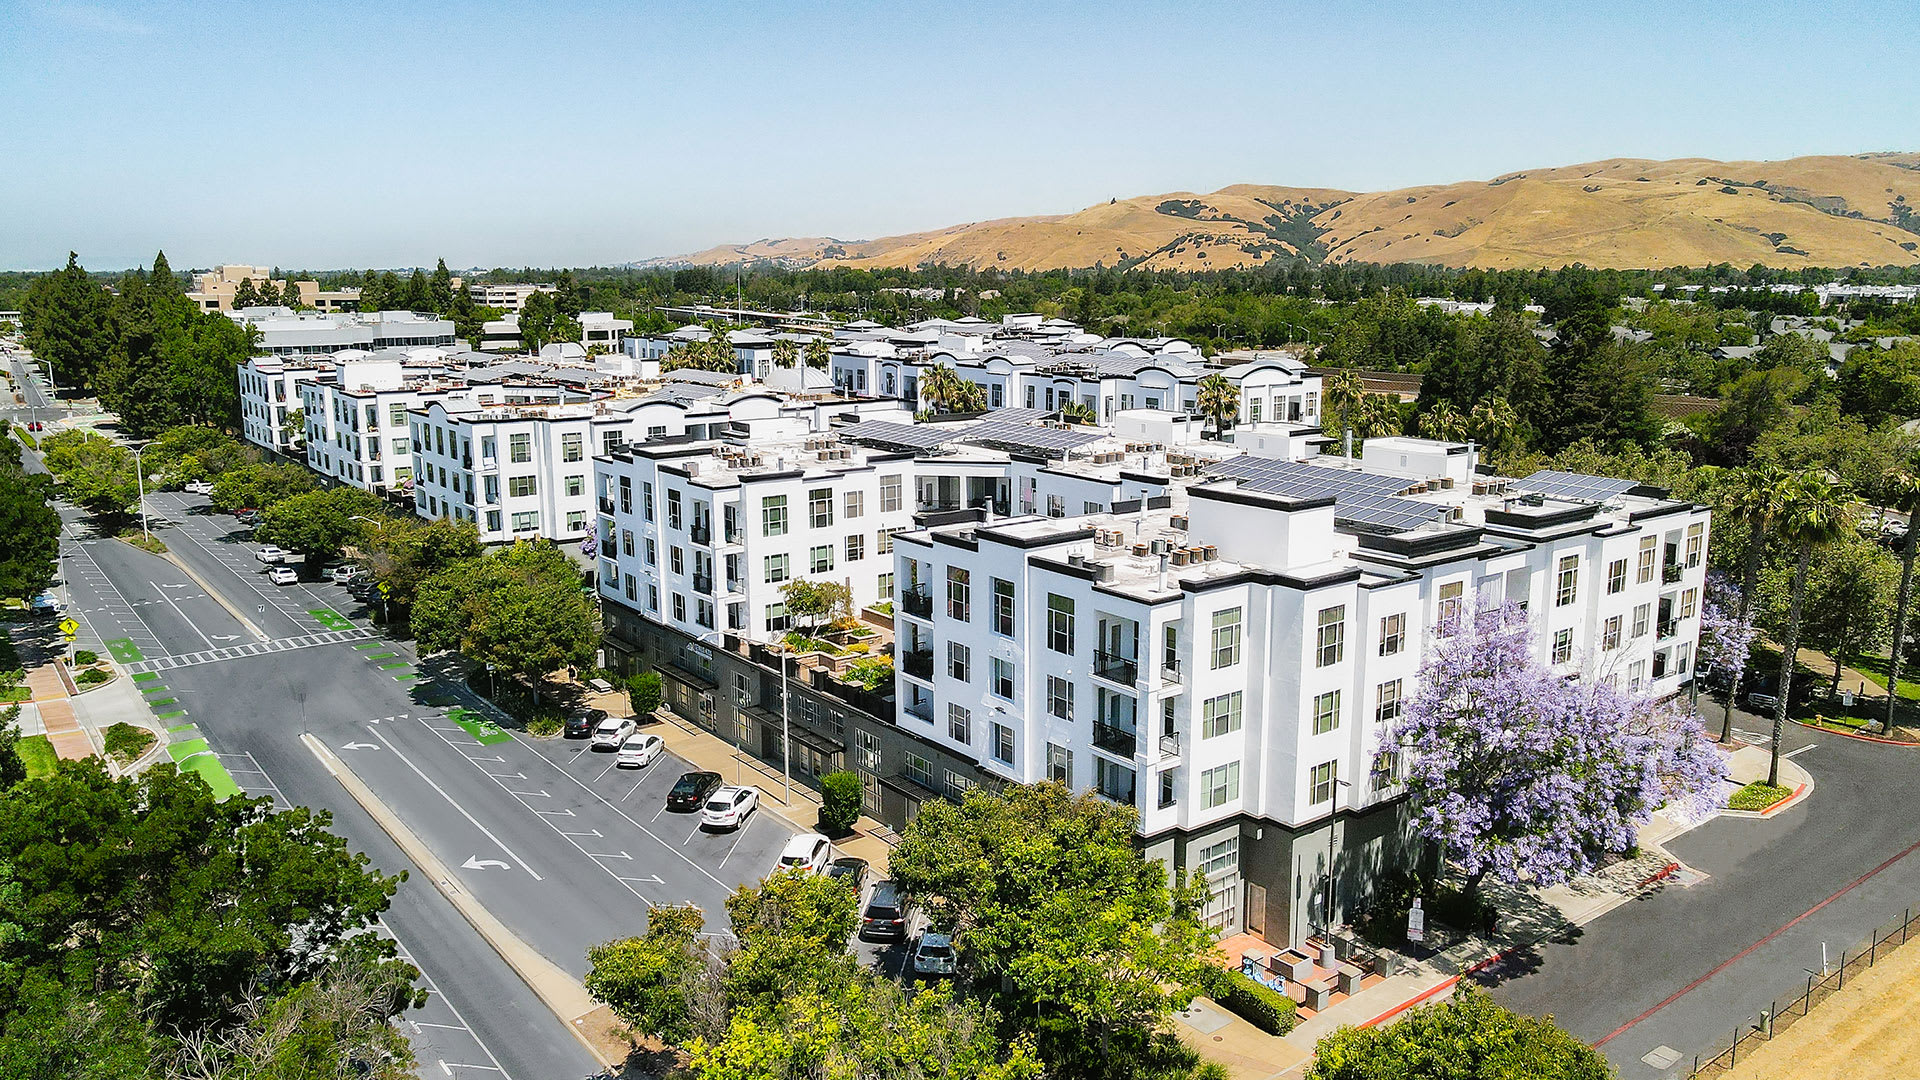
[1333, 811]
[140, 485]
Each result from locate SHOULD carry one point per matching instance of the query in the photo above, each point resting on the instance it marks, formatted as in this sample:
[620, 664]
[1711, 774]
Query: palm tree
[786, 353]
[1340, 394]
[1375, 416]
[1902, 490]
[1755, 495]
[819, 353]
[1219, 401]
[1444, 422]
[944, 391]
[1812, 513]
[1077, 412]
[1493, 422]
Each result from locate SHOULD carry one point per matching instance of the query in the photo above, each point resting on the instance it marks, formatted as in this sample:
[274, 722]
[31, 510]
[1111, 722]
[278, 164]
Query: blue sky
[500, 133]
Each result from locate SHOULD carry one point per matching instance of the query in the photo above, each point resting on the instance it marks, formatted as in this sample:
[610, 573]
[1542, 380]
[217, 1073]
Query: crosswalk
[238, 652]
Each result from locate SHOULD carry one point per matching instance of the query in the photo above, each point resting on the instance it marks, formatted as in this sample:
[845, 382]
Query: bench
[600, 686]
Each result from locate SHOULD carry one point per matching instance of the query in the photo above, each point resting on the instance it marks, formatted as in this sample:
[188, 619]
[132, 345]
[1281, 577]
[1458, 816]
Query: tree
[840, 799]
[1813, 514]
[1850, 590]
[419, 294]
[66, 315]
[246, 296]
[95, 474]
[1903, 491]
[820, 353]
[12, 771]
[1521, 774]
[1881, 384]
[162, 279]
[290, 295]
[1466, 1037]
[645, 692]
[1061, 918]
[542, 323]
[944, 391]
[191, 452]
[817, 601]
[1218, 400]
[786, 353]
[318, 524]
[407, 551]
[1494, 424]
[1340, 396]
[260, 485]
[31, 554]
[1755, 495]
[440, 289]
[1444, 422]
[521, 609]
[1726, 638]
[655, 983]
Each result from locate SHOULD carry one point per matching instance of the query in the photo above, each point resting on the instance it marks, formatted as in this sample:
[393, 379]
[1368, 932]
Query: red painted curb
[1663, 872]
[1784, 803]
[1853, 735]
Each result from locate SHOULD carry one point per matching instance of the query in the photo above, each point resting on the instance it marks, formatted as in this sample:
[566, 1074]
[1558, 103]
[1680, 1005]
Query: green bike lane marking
[331, 619]
[155, 688]
[484, 731]
[124, 651]
[408, 677]
[371, 645]
[146, 676]
[395, 664]
[194, 756]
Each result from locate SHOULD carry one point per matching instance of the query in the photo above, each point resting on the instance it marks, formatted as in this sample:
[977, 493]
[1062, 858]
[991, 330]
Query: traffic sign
[1416, 922]
[69, 627]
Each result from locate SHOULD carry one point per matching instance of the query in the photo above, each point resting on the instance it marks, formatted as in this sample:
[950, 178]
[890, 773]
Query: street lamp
[140, 484]
[1333, 810]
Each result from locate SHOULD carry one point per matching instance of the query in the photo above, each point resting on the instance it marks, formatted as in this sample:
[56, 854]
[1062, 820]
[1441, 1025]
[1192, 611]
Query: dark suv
[581, 724]
[691, 790]
[886, 916]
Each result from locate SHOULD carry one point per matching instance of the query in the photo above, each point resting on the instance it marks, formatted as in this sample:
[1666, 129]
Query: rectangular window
[883, 540]
[1218, 859]
[1386, 769]
[777, 620]
[1326, 712]
[646, 498]
[884, 585]
[821, 558]
[1569, 581]
[1642, 616]
[1056, 506]
[651, 552]
[1001, 672]
[521, 486]
[1389, 702]
[1002, 748]
[856, 504]
[1321, 780]
[1003, 607]
[1636, 675]
[1610, 634]
[1060, 764]
[577, 485]
[856, 547]
[1689, 600]
[1220, 715]
[520, 448]
[820, 507]
[919, 769]
[1616, 577]
[576, 520]
[1450, 595]
[679, 607]
[1393, 634]
[571, 447]
[866, 749]
[632, 593]
[777, 568]
[653, 598]
[1331, 644]
[1226, 638]
[959, 593]
[1060, 623]
[959, 725]
[397, 415]
[527, 522]
[959, 661]
[1562, 646]
[674, 516]
[1696, 543]
[1059, 697]
[890, 493]
[1643, 573]
[676, 561]
[1220, 786]
[773, 515]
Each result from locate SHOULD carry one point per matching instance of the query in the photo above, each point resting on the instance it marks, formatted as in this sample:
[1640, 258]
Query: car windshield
[719, 804]
[936, 950]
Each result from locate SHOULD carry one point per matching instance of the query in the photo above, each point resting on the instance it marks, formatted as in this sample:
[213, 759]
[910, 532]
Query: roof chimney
[1163, 571]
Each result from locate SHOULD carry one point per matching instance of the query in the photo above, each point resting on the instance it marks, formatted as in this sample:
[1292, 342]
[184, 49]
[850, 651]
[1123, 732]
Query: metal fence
[1782, 1014]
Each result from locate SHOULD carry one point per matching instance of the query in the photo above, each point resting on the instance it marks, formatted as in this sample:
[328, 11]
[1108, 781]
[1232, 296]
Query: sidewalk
[47, 681]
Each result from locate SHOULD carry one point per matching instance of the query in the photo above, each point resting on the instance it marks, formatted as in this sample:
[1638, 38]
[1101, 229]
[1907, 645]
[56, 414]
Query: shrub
[871, 672]
[543, 727]
[839, 802]
[1264, 1008]
[1757, 796]
[85, 657]
[91, 677]
[127, 741]
[645, 693]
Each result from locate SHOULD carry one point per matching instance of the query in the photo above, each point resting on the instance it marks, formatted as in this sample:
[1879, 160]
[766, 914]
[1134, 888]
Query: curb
[1856, 735]
[559, 991]
[1793, 799]
[217, 596]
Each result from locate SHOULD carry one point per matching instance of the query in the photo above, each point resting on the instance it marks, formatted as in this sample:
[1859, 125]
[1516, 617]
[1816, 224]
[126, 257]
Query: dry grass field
[1865, 1030]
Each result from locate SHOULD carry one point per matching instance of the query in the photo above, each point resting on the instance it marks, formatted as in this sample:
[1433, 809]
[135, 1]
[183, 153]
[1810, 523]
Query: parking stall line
[450, 802]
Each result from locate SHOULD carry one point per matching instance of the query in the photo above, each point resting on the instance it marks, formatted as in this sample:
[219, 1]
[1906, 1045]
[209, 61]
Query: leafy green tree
[1813, 514]
[660, 983]
[786, 353]
[419, 292]
[246, 296]
[290, 295]
[820, 353]
[1443, 422]
[66, 316]
[320, 523]
[192, 452]
[94, 473]
[1467, 1037]
[817, 601]
[944, 391]
[31, 554]
[840, 798]
[12, 771]
[1877, 385]
[540, 324]
[1850, 591]
[521, 609]
[260, 485]
[1218, 400]
[440, 288]
[645, 692]
[162, 279]
[407, 551]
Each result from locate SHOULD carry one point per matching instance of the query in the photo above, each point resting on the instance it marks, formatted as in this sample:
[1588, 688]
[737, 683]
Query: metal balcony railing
[918, 664]
[1170, 672]
[703, 583]
[606, 505]
[917, 604]
[1670, 573]
[919, 710]
[1116, 668]
[1170, 744]
[1115, 740]
[702, 534]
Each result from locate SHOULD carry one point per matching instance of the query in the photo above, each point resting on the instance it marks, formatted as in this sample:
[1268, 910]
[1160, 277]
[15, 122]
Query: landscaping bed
[126, 743]
[1757, 796]
[37, 754]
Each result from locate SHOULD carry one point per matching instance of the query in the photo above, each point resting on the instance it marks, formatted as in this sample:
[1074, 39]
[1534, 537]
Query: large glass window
[889, 493]
[520, 448]
[1059, 697]
[1003, 607]
[1390, 702]
[959, 593]
[1220, 786]
[1220, 715]
[571, 447]
[1226, 638]
[1326, 712]
[1616, 576]
[1393, 634]
[1330, 645]
[773, 515]
[820, 507]
[1060, 623]
[1321, 781]
[1569, 581]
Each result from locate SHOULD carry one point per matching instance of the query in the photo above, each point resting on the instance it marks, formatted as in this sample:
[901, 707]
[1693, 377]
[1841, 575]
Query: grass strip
[1757, 796]
[37, 754]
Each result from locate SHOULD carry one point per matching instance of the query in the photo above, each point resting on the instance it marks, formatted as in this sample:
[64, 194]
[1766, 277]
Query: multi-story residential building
[270, 389]
[598, 330]
[286, 333]
[506, 297]
[1224, 658]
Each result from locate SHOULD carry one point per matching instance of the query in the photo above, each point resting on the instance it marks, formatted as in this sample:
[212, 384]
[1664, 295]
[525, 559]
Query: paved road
[1682, 966]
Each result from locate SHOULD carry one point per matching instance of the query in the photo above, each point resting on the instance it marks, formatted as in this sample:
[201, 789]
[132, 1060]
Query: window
[1393, 634]
[856, 504]
[679, 607]
[519, 448]
[1389, 702]
[651, 552]
[866, 749]
[577, 484]
[571, 448]
[959, 661]
[653, 598]
[397, 415]
[1320, 782]
[1056, 506]
[1167, 787]
[1689, 600]
[919, 769]
[889, 493]
[883, 540]
[1696, 541]
[1059, 697]
[820, 507]
[674, 517]
[856, 547]
[1003, 607]
[1644, 571]
[632, 594]
[1001, 745]
[1059, 764]
[646, 498]
[1610, 634]
[773, 515]
[1000, 676]
[1569, 581]
[1220, 858]
[1220, 715]
[521, 486]
[1331, 645]
[1616, 576]
[777, 569]
[957, 784]
[1113, 780]
[529, 521]
[1226, 638]
[1680, 657]
[959, 593]
[1220, 786]
[1562, 646]
[493, 520]
[959, 725]
[576, 520]
[884, 585]
[1060, 623]
[399, 446]
[821, 558]
[1386, 769]
[1642, 614]
[1326, 712]
[676, 560]
[776, 618]
[1450, 595]
[1636, 675]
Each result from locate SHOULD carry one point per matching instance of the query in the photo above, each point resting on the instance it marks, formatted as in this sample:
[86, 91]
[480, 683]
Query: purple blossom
[1528, 777]
[1725, 639]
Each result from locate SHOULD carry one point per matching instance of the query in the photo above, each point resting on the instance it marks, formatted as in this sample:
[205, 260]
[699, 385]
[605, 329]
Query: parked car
[886, 916]
[1715, 677]
[247, 516]
[808, 851]
[362, 587]
[346, 574]
[729, 807]
[640, 751]
[584, 723]
[612, 732]
[851, 870]
[198, 487]
[1763, 692]
[691, 790]
[271, 553]
[283, 575]
[934, 955]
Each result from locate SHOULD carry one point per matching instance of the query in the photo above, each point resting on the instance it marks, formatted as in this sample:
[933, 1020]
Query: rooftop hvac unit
[1159, 547]
[1212, 552]
[1139, 551]
[1076, 559]
[1102, 571]
[1178, 521]
[1180, 557]
[693, 468]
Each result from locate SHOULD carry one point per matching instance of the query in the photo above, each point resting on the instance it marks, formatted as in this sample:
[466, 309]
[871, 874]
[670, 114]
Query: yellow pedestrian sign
[69, 627]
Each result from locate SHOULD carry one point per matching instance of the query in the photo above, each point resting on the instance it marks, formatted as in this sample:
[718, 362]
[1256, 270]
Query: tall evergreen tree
[162, 279]
[246, 295]
[440, 288]
[419, 295]
[67, 315]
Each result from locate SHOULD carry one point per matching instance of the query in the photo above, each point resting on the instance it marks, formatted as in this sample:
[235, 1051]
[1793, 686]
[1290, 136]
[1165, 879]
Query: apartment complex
[506, 297]
[269, 394]
[284, 332]
[1223, 660]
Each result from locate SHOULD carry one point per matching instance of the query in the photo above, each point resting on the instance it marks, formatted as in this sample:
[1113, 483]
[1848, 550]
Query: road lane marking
[610, 767]
[1801, 750]
[183, 615]
[450, 802]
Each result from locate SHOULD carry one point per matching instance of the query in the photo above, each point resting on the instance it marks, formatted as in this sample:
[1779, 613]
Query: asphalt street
[1676, 970]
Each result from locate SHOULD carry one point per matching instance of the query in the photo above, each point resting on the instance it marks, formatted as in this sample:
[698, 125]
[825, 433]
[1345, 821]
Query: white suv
[808, 852]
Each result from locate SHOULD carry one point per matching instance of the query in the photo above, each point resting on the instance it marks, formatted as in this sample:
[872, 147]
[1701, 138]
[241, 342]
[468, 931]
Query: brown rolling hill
[1623, 212]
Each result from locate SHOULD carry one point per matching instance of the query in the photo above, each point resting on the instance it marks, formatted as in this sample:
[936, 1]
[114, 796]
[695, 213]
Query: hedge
[1263, 1007]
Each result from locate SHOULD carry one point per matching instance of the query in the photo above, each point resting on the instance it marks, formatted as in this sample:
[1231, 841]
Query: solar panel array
[1359, 498]
[1568, 485]
[1016, 416]
[1021, 436]
[904, 436]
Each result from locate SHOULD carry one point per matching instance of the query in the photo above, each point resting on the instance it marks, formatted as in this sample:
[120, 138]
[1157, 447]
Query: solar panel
[905, 436]
[1387, 513]
[1029, 437]
[1568, 485]
[1016, 416]
[1359, 498]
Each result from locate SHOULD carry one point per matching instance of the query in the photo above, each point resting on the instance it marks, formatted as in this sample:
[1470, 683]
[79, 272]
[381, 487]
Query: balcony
[1114, 740]
[918, 664]
[702, 534]
[488, 464]
[1115, 668]
[1170, 672]
[919, 710]
[703, 583]
[917, 603]
[1670, 573]
[1170, 744]
[605, 504]
[731, 535]
[1668, 628]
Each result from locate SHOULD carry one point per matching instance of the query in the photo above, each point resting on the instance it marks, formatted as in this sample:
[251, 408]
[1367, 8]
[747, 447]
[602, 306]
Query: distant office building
[506, 297]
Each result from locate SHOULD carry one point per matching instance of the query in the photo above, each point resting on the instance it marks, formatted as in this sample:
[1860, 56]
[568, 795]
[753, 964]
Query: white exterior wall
[465, 467]
[269, 390]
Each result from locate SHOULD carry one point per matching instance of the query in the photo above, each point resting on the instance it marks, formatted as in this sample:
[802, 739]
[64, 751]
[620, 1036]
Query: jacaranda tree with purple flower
[1523, 775]
[1726, 635]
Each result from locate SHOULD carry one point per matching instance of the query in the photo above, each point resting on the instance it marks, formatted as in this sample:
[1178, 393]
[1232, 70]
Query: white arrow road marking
[508, 775]
[590, 832]
[622, 855]
[501, 760]
[651, 879]
[474, 862]
[173, 586]
[531, 794]
[556, 813]
[358, 746]
[226, 637]
[475, 822]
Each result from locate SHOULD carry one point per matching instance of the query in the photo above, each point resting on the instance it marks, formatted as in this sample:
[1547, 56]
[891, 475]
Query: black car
[581, 724]
[691, 790]
[850, 870]
[886, 916]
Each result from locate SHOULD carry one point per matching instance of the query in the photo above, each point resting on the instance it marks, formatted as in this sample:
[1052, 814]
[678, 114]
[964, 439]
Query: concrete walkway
[52, 690]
